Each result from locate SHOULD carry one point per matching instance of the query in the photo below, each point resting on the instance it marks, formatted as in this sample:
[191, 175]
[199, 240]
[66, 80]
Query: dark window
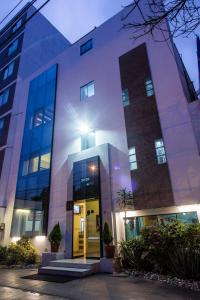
[8, 70]
[86, 47]
[88, 140]
[17, 25]
[1, 125]
[86, 179]
[13, 47]
[4, 97]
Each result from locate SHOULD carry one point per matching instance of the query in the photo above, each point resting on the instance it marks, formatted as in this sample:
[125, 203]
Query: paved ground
[97, 287]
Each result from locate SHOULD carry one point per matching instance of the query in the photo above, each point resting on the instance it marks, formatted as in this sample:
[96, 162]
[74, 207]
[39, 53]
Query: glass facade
[135, 224]
[86, 179]
[32, 193]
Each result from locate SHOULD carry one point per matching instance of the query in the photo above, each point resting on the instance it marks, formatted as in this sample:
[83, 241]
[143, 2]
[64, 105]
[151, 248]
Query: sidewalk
[96, 287]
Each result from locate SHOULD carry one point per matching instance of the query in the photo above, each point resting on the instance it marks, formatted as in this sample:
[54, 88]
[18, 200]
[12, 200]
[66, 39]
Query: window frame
[83, 98]
[149, 88]
[8, 71]
[13, 47]
[4, 96]
[133, 165]
[84, 49]
[160, 155]
[125, 97]
[17, 25]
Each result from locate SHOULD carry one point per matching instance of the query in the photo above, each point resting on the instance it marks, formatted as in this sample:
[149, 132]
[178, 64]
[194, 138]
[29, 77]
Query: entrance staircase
[71, 267]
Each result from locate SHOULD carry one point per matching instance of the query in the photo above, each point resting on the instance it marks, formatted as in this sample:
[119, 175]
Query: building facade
[89, 119]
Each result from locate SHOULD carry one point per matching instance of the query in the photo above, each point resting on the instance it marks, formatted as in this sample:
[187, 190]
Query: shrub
[23, 252]
[185, 263]
[55, 235]
[13, 255]
[135, 254]
[107, 235]
[172, 248]
[28, 251]
[3, 254]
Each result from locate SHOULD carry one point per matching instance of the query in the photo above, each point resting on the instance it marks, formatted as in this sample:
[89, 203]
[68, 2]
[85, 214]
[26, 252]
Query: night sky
[74, 18]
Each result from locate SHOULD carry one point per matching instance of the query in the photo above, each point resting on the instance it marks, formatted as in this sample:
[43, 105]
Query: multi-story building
[89, 119]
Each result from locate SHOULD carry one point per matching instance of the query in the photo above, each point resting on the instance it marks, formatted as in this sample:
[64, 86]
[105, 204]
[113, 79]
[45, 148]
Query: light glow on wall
[23, 211]
[15, 239]
[40, 238]
[85, 128]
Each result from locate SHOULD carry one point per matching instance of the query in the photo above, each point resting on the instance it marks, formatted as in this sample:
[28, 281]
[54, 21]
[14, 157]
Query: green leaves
[172, 248]
[55, 235]
[107, 235]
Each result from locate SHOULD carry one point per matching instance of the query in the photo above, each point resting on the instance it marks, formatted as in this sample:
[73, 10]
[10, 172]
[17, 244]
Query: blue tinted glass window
[86, 47]
[33, 184]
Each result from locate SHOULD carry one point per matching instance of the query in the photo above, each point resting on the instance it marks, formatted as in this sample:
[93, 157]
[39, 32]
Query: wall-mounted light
[85, 128]
[23, 211]
[93, 168]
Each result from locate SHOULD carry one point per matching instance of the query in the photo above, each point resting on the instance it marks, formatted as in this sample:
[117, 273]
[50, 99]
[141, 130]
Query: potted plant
[55, 238]
[107, 239]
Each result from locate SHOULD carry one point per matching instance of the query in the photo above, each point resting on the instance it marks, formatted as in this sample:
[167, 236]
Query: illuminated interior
[86, 228]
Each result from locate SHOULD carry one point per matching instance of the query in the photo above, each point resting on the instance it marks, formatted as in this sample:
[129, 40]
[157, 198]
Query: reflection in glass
[33, 184]
[135, 224]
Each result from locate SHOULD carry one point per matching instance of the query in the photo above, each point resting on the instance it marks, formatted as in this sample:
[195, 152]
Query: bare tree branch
[183, 16]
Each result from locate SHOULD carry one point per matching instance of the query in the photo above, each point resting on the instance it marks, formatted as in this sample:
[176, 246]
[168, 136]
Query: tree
[125, 201]
[182, 15]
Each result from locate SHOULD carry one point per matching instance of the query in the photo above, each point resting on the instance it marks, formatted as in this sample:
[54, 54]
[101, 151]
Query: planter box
[106, 265]
[49, 256]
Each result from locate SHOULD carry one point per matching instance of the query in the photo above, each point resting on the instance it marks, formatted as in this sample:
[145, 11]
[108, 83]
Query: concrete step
[60, 271]
[65, 263]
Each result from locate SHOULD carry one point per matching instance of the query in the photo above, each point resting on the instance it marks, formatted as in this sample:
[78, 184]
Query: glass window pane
[86, 47]
[25, 168]
[13, 47]
[45, 161]
[133, 165]
[33, 164]
[38, 119]
[1, 123]
[149, 87]
[84, 92]
[132, 158]
[131, 151]
[91, 89]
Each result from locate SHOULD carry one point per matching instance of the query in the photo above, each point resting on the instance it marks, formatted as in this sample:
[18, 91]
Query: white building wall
[104, 113]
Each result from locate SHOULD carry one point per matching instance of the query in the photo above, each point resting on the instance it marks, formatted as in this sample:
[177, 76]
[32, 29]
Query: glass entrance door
[86, 228]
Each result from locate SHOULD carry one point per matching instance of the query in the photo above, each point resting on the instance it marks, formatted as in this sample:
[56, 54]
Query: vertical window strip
[132, 158]
[160, 151]
[149, 87]
[125, 97]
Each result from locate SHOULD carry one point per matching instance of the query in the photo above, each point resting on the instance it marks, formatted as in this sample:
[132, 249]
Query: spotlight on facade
[93, 168]
[85, 128]
[40, 238]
